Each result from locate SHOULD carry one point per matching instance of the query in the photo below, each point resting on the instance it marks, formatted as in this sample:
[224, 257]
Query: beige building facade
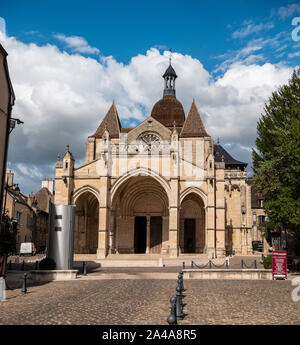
[161, 187]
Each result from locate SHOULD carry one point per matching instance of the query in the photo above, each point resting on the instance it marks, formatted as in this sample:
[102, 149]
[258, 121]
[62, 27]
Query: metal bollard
[192, 264]
[183, 265]
[226, 263]
[209, 264]
[84, 268]
[172, 317]
[254, 264]
[23, 265]
[179, 314]
[242, 263]
[24, 285]
[181, 278]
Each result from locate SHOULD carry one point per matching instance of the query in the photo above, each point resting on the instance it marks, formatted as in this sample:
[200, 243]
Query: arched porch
[139, 218]
[192, 224]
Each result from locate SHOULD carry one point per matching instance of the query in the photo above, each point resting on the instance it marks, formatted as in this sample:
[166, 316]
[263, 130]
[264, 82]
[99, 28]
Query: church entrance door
[155, 234]
[140, 234]
[189, 235]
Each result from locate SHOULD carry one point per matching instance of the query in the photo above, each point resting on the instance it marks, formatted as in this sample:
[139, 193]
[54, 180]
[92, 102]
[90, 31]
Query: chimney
[10, 178]
[46, 183]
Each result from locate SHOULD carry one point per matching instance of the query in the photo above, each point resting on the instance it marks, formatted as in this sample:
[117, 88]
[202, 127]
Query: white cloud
[288, 11]
[62, 97]
[292, 55]
[249, 28]
[77, 44]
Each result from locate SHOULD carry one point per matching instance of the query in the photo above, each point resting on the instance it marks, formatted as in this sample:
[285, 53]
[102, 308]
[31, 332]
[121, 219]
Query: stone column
[165, 233]
[148, 235]
[103, 226]
[174, 219]
[112, 232]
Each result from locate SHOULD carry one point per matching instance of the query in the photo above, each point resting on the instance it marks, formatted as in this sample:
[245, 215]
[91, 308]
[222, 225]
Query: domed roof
[167, 110]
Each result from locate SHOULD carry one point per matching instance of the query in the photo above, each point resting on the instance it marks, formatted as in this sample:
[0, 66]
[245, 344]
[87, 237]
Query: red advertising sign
[1, 264]
[279, 264]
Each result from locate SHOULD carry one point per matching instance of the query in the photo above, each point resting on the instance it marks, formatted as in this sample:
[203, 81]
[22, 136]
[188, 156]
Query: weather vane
[170, 57]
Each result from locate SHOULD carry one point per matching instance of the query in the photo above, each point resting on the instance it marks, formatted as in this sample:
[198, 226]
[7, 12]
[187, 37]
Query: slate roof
[170, 72]
[193, 126]
[111, 122]
[219, 151]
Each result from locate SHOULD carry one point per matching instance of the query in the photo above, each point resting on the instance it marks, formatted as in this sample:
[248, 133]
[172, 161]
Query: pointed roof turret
[110, 122]
[193, 125]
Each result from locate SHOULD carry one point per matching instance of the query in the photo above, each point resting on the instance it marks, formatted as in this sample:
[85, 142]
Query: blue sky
[123, 29]
[229, 56]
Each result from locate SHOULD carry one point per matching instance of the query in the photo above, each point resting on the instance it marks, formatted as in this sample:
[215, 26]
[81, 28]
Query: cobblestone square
[146, 302]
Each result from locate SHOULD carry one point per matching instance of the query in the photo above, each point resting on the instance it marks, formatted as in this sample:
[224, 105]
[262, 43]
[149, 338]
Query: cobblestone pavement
[147, 302]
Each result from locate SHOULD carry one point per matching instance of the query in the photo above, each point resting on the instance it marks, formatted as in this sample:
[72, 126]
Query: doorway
[140, 234]
[189, 235]
[155, 234]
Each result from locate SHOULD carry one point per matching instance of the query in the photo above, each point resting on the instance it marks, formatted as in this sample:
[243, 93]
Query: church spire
[169, 77]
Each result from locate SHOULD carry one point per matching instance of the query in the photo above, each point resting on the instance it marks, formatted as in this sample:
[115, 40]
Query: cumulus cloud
[77, 44]
[62, 97]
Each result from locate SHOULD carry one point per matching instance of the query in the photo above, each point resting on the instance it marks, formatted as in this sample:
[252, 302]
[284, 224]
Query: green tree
[276, 163]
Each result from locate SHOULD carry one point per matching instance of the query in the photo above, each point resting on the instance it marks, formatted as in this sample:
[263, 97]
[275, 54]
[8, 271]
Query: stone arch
[195, 190]
[86, 188]
[140, 205]
[143, 172]
[192, 222]
[86, 223]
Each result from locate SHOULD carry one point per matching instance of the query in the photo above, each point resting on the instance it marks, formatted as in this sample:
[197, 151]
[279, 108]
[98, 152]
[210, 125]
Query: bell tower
[169, 77]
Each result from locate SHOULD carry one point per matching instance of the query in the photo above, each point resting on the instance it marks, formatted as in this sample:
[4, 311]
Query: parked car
[27, 248]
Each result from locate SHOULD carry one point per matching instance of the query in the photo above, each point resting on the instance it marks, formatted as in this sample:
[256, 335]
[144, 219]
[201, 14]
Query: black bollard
[36, 265]
[172, 317]
[192, 264]
[84, 268]
[180, 283]
[262, 257]
[23, 265]
[242, 263]
[254, 264]
[226, 263]
[183, 265]
[209, 264]
[179, 314]
[24, 285]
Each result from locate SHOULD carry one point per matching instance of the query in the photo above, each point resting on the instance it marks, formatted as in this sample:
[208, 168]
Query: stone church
[161, 187]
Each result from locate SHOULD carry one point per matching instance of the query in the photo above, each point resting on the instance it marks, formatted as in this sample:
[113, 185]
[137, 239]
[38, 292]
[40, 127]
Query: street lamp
[13, 123]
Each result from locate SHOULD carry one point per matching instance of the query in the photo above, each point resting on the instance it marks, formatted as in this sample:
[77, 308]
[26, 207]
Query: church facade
[161, 187]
